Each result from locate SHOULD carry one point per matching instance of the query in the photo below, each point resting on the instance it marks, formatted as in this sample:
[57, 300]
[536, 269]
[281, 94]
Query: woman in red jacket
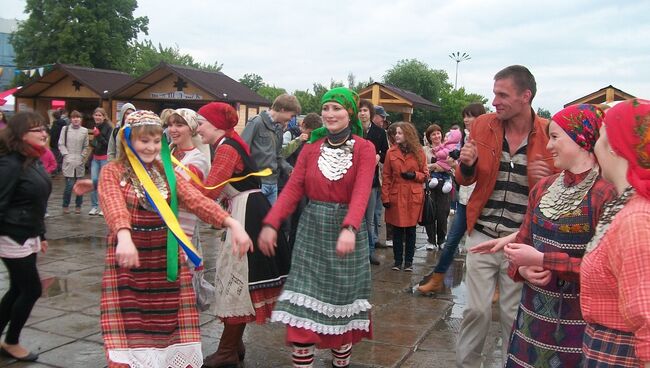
[402, 193]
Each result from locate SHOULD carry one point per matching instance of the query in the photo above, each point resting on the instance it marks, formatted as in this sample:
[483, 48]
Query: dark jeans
[399, 233]
[67, 193]
[437, 231]
[24, 291]
[458, 228]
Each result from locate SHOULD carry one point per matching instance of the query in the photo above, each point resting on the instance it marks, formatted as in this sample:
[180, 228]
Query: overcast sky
[572, 47]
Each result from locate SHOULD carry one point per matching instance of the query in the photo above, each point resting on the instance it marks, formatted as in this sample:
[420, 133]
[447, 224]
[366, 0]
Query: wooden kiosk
[604, 95]
[173, 86]
[396, 99]
[81, 88]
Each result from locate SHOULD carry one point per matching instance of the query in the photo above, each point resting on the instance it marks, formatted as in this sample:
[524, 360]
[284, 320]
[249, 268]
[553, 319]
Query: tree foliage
[252, 81]
[144, 56]
[433, 85]
[544, 113]
[270, 92]
[93, 33]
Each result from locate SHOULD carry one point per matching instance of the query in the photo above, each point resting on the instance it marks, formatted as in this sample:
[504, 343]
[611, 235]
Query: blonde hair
[137, 132]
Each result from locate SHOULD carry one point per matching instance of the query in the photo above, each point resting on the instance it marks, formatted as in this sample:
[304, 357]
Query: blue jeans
[67, 193]
[370, 221]
[270, 191]
[458, 228]
[95, 168]
[378, 208]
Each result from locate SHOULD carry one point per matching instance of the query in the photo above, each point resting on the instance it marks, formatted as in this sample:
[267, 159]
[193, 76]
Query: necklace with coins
[610, 210]
[335, 160]
[560, 199]
[157, 178]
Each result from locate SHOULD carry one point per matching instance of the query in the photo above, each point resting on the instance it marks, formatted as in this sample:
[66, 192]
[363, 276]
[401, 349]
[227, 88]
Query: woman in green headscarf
[325, 299]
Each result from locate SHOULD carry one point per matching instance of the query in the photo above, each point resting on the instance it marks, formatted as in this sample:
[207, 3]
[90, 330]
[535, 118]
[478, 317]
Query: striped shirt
[505, 209]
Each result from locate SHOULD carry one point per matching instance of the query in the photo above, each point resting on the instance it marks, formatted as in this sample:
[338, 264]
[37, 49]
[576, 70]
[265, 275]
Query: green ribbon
[172, 242]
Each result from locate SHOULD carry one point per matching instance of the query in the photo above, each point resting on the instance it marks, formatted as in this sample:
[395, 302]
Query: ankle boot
[434, 285]
[241, 348]
[227, 355]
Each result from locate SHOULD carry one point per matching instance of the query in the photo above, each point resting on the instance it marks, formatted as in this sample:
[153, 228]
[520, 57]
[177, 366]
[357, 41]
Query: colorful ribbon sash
[197, 180]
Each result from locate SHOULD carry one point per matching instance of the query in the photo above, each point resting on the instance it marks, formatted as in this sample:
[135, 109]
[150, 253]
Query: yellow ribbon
[197, 180]
[161, 204]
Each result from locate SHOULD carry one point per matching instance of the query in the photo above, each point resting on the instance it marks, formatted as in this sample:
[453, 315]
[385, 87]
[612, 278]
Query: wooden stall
[81, 89]
[604, 95]
[395, 99]
[173, 86]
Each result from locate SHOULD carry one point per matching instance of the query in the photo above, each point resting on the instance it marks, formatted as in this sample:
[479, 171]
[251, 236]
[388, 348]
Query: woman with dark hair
[101, 136]
[248, 287]
[325, 299]
[614, 274]
[73, 144]
[402, 192]
[434, 282]
[24, 189]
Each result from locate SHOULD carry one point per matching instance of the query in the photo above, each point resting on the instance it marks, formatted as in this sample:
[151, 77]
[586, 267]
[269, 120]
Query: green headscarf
[346, 98]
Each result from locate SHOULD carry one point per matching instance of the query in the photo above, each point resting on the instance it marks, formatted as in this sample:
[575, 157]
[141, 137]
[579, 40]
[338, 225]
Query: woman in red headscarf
[562, 213]
[615, 297]
[247, 288]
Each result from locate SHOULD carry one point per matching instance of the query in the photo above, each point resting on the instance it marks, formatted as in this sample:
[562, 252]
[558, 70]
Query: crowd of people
[555, 215]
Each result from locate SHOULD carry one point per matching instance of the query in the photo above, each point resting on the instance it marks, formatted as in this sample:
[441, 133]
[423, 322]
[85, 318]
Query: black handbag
[428, 215]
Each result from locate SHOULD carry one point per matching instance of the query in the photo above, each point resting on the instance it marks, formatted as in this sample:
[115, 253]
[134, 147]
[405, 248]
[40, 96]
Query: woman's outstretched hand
[267, 241]
[241, 242]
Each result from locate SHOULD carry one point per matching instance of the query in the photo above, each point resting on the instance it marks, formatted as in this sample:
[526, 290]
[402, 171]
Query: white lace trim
[330, 310]
[176, 356]
[291, 320]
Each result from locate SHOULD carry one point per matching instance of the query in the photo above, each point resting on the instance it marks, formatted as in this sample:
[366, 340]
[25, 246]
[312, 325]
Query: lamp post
[458, 57]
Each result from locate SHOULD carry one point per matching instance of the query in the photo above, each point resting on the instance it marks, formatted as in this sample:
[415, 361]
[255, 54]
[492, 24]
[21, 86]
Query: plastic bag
[205, 292]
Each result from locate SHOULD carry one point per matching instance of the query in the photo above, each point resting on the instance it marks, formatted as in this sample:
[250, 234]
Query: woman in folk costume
[546, 254]
[246, 288]
[148, 310]
[615, 276]
[325, 300]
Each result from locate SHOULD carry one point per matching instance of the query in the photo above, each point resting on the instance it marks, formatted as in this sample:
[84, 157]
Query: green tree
[358, 86]
[270, 92]
[252, 81]
[419, 78]
[145, 56]
[544, 113]
[89, 33]
[452, 103]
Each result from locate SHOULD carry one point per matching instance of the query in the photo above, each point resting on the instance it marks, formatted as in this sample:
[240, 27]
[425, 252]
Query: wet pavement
[410, 330]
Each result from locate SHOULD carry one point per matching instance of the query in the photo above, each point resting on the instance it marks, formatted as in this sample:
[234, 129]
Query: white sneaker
[389, 243]
[446, 187]
[93, 211]
[433, 183]
[430, 246]
[101, 213]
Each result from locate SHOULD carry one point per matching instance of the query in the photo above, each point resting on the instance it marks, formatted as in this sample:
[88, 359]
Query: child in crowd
[439, 154]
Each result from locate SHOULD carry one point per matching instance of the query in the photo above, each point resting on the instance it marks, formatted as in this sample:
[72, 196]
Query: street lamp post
[458, 57]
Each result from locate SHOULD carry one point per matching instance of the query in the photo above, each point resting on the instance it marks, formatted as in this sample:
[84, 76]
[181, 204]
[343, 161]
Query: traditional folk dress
[325, 299]
[146, 320]
[247, 287]
[615, 286]
[563, 211]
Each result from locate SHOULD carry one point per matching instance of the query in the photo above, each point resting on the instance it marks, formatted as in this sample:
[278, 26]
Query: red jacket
[488, 133]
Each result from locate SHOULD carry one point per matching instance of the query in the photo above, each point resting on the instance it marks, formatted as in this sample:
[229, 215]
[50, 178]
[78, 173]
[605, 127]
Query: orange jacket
[488, 133]
[405, 196]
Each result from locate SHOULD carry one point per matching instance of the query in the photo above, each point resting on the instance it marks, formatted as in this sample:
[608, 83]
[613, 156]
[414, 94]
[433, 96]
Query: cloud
[572, 47]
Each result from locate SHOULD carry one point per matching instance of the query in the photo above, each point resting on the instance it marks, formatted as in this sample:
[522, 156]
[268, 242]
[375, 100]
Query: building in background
[7, 54]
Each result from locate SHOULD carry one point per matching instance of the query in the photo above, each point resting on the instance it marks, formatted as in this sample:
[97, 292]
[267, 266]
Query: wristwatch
[351, 228]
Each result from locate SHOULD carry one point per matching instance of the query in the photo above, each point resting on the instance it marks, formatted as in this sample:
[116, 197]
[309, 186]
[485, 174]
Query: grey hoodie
[265, 140]
[113, 141]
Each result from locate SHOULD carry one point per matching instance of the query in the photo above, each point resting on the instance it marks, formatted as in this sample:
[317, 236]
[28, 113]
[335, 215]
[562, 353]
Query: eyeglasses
[38, 129]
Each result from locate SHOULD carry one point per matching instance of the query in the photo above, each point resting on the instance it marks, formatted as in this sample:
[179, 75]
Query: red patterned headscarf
[581, 123]
[223, 116]
[628, 131]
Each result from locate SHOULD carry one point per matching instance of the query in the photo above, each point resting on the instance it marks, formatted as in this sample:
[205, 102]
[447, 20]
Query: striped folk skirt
[325, 298]
[147, 321]
[605, 347]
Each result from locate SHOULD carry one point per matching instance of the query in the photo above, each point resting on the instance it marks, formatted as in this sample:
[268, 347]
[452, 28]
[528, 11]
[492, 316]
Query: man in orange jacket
[506, 155]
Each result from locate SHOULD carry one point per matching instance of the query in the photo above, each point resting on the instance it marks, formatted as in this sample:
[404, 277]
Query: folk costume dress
[562, 216]
[146, 320]
[248, 287]
[325, 298]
